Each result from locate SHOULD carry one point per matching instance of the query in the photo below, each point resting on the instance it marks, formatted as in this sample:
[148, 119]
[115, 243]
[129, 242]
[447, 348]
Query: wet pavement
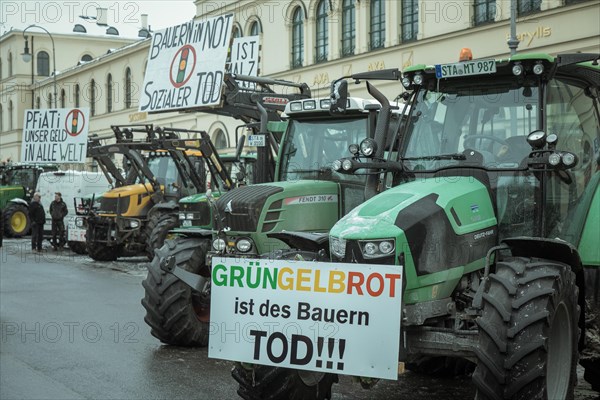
[73, 328]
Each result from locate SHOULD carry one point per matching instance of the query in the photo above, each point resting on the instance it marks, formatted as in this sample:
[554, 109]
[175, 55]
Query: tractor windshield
[311, 146]
[21, 177]
[493, 119]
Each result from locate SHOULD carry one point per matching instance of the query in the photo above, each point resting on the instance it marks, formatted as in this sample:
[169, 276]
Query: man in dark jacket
[58, 211]
[38, 219]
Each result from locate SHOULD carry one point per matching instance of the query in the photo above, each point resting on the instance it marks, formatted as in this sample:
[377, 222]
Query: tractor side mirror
[338, 96]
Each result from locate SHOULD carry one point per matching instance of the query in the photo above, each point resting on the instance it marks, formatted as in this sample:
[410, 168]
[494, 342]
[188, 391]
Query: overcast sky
[60, 16]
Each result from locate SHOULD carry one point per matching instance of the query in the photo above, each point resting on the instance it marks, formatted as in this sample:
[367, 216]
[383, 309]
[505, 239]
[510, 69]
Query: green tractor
[489, 204]
[305, 195]
[18, 185]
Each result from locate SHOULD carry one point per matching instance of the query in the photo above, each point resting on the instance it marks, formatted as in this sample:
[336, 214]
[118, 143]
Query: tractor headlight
[337, 246]
[377, 248]
[181, 215]
[538, 68]
[517, 69]
[569, 159]
[347, 165]
[368, 147]
[243, 245]
[219, 244]
[406, 82]
[554, 159]
[353, 149]
[79, 222]
[418, 79]
[189, 216]
[134, 223]
[336, 165]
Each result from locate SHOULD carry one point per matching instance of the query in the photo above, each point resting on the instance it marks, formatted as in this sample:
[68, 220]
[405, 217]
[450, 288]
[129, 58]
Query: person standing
[38, 219]
[58, 211]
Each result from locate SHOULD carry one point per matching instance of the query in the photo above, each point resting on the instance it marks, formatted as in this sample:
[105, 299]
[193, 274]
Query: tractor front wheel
[176, 314]
[16, 220]
[528, 332]
[158, 231]
[260, 382]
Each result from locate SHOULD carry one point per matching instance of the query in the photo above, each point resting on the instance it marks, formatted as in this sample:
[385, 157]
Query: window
[10, 115]
[348, 27]
[236, 32]
[92, 98]
[128, 87]
[528, 6]
[86, 58]
[43, 64]
[109, 93]
[255, 28]
[410, 20]
[377, 34]
[220, 139]
[484, 11]
[77, 95]
[321, 33]
[10, 64]
[62, 98]
[297, 38]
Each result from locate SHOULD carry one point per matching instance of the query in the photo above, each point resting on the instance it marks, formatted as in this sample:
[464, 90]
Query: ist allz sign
[186, 64]
[328, 317]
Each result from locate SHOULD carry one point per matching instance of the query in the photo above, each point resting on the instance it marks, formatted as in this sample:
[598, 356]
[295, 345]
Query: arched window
[220, 139]
[92, 98]
[62, 98]
[128, 87]
[86, 58]
[377, 34]
[236, 32]
[109, 93]
[10, 115]
[321, 32]
[255, 28]
[9, 65]
[37, 103]
[43, 63]
[298, 38]
[77, 96]
[348, 27]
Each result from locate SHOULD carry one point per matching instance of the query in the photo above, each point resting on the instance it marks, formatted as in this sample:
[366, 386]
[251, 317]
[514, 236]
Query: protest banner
[186, 65]
[245, 58]
[327, 317]
[55, 135]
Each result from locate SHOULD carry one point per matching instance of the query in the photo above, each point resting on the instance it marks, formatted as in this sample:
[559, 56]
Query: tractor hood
[303, 205]
[129, 190]
[465, 201]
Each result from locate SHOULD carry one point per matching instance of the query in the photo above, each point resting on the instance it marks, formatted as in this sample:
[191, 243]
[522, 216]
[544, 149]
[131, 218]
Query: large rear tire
[528, 332]
[16, 220]
[273, 383]
[441, 367]
[77, 247]
[159, 231]
[176, 314]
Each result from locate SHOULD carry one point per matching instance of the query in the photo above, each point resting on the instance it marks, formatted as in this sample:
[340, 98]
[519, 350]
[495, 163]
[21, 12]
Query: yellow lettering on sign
[138, 116]
[527, 37]
[321, 79]
[376, 66]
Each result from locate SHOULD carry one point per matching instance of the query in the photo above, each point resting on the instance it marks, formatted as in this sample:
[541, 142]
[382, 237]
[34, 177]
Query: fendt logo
[75, 122]
[182, 66]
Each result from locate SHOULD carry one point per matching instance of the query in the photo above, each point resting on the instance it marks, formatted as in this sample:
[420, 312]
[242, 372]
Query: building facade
[312, 41]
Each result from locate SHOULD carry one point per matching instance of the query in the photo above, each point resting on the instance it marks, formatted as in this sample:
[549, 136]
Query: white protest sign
[186, 65]
[328, 317]
[55, 135]
[244, 58]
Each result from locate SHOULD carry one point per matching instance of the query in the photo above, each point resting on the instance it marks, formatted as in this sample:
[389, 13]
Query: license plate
[467, 68]
[186, 223]
[76, 235]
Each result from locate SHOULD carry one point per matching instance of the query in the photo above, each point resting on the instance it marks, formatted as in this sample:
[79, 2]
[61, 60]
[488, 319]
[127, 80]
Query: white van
[72, 185]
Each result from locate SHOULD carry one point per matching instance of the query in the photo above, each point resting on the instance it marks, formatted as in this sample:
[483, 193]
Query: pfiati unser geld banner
[186, 65]
[327, 317]
[55, 135]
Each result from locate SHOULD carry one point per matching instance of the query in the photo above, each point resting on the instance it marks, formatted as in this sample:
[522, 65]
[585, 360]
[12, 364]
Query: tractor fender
[20, 201]
[166, 206]
[309, 241]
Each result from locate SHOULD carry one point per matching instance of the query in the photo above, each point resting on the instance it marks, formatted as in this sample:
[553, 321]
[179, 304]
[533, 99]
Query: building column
[362, 27]
[334, 26]
[392, 23]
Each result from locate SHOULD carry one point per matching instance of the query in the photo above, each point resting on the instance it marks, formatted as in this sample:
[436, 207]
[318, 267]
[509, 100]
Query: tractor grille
[241, 207]
[111, 205]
